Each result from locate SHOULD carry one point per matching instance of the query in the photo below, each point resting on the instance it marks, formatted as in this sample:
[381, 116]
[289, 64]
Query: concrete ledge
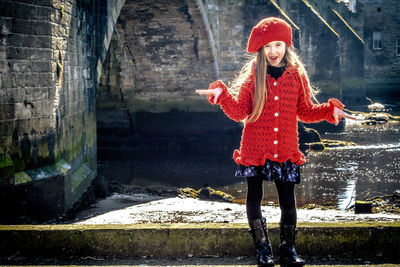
[180, 240]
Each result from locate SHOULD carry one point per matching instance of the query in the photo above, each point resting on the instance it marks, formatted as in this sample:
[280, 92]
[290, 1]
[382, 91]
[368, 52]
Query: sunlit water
[336, 176]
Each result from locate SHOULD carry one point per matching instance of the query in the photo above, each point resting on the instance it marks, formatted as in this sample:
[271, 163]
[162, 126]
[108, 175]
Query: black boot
[288, 255]
[263, 247]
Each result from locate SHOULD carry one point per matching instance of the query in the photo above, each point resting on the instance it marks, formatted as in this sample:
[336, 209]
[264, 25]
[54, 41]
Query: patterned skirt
[271, 171]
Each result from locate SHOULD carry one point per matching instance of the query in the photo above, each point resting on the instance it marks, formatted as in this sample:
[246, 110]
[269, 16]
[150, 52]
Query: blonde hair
[290, 58]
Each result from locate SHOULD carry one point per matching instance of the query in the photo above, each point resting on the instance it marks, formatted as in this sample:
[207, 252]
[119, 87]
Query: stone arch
[159, 53]
[113, 8]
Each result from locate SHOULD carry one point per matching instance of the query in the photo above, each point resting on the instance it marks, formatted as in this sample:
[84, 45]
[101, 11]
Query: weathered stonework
[382, 66]
[47, 104]
[165, 55]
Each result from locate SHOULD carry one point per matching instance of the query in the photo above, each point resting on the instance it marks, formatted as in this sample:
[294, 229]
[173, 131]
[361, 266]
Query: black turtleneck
[275, 72]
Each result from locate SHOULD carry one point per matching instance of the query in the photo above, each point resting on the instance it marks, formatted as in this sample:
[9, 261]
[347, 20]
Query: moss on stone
[79, 176]
[21, 177]
[6, 161]
[44, 172]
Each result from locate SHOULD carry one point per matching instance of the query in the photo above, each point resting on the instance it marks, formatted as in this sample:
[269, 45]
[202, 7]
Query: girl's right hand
[216, 92]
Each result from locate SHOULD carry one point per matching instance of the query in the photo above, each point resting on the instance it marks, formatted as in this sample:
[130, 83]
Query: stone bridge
[70, 69]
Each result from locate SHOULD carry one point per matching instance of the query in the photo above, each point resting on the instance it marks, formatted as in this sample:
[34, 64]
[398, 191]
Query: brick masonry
[48, 56]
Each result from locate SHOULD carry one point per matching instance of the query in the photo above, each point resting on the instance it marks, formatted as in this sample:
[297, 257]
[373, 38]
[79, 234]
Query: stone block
[44, 54]
[39, 94]
[26, 80]
[37, 2]
[43, 13]
[20, 66]
[14, 40]
[42, 108]
[7, 81]
[43, 28]
[45, 79]
[43, 41]
[4, 68]
[6, 9]
[22, 111]
[16, 53]
[24, 11]
[55, 15]
[4, 111]
[42, 66]
[6, 25]
[21, 178]
[23, 26]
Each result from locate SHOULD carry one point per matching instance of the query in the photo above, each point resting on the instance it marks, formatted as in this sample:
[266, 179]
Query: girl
[270, 93]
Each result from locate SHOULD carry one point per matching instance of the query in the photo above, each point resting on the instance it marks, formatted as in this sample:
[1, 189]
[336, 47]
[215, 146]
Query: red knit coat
[274, 135]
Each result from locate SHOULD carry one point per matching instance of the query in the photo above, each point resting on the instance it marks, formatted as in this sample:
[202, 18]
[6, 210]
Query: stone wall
[159, 54]
[331, 52]
[231, 23]
[382, 67]
[47, 101]
[165, 56]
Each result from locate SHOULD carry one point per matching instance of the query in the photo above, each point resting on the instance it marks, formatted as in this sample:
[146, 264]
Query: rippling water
[335, 176]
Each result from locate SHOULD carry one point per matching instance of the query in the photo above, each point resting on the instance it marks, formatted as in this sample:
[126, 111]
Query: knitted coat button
[275, 83]
[276, 114]
[276, 97]
[275, 129]
[275, 155]
[276, 142]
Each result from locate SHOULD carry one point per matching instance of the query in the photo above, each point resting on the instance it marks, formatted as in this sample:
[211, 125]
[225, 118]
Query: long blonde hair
[290, 58]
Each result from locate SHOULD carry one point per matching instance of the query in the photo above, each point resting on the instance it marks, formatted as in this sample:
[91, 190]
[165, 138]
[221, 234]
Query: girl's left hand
[338, 114]
[216, 92]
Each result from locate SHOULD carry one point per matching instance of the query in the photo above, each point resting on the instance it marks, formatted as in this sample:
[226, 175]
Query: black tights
[287, 200]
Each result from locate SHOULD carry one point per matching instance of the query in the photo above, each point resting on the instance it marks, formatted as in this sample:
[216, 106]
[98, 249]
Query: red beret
[268, 30]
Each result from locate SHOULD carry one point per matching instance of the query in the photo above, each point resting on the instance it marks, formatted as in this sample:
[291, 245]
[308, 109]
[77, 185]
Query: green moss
[26, 103]
[79, 176]
[62, 12]
[6, 161]
[60, 168]
[59, 69]
[21, 177]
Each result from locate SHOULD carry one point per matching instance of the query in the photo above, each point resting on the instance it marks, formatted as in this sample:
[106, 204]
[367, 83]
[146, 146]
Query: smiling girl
[269, 95]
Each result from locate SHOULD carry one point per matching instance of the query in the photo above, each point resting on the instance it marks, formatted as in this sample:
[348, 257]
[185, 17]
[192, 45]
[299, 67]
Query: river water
[336, 176]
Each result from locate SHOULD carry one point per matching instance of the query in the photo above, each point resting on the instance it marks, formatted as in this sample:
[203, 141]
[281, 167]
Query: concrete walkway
[181, 241]
[242, 262]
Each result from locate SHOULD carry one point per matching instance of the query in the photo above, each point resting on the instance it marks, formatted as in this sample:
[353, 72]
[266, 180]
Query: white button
[276, 142]
[275, 129]
[276, 97]
[275, 83]
[275, 155]
[276, 114]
